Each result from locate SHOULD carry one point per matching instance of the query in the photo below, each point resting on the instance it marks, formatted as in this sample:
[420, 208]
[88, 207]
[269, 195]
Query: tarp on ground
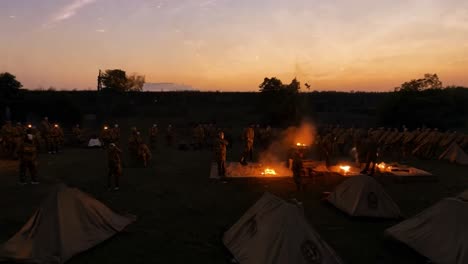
[276, 231]
[67, 222]
[94, 142]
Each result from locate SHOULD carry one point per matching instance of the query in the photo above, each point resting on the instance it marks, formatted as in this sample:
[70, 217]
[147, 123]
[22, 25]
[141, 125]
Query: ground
[182, 214]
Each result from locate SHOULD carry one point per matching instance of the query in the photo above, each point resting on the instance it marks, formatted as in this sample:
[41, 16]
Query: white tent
[275, 231]
[455, 155]
[438, 233]
[94, 143]
[67, 222]
[364, 196]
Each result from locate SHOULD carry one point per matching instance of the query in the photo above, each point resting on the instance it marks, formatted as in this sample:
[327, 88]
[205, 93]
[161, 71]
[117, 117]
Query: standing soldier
[105, 136]
[54, 139]
[28, 158]
[199, 136]
[18, 135]
[144, 153]
[44, 129]
[115, 166]
[371, 147]
[170, 135]
[248, 137]
[220, 154]
[115, 134]
[77, 135]
[8, 135]
[133, 142]
[153, 135]
[298, 169]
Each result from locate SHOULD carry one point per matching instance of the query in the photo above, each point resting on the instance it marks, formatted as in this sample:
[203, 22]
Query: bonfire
[345, 169]
[268, 171]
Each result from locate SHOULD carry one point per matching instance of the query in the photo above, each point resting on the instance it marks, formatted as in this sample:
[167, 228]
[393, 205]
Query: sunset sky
[233, 44]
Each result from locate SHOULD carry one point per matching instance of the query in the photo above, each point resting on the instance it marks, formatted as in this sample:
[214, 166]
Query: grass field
[182, 214]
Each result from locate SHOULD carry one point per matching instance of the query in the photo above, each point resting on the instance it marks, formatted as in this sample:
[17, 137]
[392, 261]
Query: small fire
[268, 171]
[300, 144]
[345, 168]
[381, 166]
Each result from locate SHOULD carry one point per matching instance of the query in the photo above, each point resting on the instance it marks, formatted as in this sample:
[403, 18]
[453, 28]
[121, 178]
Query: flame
[345, 168]
[300, 144]
[381, 165]
[268, 171]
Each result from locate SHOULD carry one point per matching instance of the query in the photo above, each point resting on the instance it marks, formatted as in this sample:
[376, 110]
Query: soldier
[77, 135]
[106, 136]
[248, 137]
[115, 166]
[371, 153]
[115, 134]
[153, 135]
[298, 169]
[54, 139]
[169, 135]
[199, 136]
[28, 158]
[220, 154]
[18, 135]
[44, 129]
[133, 142]
[7, 134]
[144, 153]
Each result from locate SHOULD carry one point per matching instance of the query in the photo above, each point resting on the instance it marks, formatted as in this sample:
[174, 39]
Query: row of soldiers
[11, 136]
[423, 143]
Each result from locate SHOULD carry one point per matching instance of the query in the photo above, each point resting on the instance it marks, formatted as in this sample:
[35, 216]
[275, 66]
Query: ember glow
[301, 144]
[268, 171]
[345, 168]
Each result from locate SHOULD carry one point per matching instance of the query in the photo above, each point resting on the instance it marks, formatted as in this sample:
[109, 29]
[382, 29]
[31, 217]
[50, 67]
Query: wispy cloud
[70, 10]
[101, 30]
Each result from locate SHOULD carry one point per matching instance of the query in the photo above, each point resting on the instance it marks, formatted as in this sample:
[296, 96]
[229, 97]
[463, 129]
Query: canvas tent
[455, 155]
[275, 231]
[67, 223]
[94, 143]
[364, 196]
[438, 233]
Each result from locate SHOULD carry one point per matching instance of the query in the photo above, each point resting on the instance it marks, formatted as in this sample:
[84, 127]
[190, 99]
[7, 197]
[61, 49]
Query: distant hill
[166, 87]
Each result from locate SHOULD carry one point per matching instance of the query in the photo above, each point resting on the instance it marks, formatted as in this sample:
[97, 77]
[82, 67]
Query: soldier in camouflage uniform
[115, 166]
[220, 154]
[134, 141]
[153, 135]
[77, 135]
[298, 169]
[248, 137]
[44, 129]
[7, 134]
[144, 154]
[170, 135]
[114, 134]
[106, 137]
[54, 139]
[27, 153]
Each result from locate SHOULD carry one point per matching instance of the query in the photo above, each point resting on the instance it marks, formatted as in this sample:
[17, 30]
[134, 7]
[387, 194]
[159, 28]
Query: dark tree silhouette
[115, 80]
[271, 85]
[430, 81]
[9, 86]
[294, 86]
